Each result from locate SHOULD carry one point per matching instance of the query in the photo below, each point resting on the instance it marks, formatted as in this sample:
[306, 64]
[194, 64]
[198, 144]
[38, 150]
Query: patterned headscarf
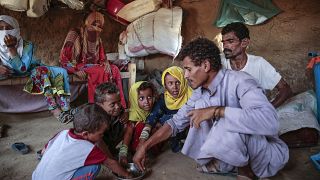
[4, 53]
[87, 45]
[135, 112]
[184, 93]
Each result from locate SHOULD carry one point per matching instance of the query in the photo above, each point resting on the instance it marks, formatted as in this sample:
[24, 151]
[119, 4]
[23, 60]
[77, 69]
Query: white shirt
[264, 73]
[65, 153]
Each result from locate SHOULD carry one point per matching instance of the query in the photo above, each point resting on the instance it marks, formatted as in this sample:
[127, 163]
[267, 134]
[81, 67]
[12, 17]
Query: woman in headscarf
[83, 54]
[17, 59]
[176, 94]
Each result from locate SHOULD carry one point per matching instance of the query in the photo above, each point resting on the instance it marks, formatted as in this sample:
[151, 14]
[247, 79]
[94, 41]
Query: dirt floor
[35, 129]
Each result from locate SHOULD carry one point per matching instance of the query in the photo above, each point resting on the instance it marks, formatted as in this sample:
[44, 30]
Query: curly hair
[240, 30]
[202, 49]
[103, 89]
[89, 118]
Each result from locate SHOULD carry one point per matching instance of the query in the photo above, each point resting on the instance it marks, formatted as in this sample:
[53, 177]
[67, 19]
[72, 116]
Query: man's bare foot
[245, 173]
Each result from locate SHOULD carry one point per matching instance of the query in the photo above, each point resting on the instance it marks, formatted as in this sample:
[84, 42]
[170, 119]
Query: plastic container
[113, 7]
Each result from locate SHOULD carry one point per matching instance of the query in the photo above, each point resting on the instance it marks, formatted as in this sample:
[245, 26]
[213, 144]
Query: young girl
[141, 98]
[176, 94]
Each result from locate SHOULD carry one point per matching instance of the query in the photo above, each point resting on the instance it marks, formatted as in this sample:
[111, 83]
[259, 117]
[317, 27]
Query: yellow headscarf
[135, 112]
[184, 93]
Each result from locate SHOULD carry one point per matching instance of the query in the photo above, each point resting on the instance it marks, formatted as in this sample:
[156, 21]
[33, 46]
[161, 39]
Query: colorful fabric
[312, 62]
[87, 172]
[184, 93]
[98, 74]
[83, 46]
[44, 77]
[59, 101]
[138, 127]
[83, 51]
[135, 112]
[47, 80]
[62, 157]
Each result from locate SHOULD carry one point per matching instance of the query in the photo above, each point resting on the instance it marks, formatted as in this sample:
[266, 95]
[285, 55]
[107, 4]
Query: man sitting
[233, 123]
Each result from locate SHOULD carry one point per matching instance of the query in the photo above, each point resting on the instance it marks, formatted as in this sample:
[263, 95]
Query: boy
[72, 154]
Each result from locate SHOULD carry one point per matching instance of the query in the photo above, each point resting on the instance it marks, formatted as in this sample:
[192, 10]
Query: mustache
[227, 50]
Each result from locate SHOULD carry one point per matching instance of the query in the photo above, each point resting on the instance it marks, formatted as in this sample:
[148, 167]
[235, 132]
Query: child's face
[112, 104]
[172, 85]
[145, 99]
[97, 136]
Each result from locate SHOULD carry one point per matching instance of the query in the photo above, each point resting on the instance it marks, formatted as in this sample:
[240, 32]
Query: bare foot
[56, 112]
[245, 173]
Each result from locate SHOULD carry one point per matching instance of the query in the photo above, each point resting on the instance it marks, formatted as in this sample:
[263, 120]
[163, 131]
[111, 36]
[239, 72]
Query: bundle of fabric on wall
[34, 8]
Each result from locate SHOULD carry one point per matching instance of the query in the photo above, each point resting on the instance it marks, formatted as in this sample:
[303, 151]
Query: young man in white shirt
[235, 39]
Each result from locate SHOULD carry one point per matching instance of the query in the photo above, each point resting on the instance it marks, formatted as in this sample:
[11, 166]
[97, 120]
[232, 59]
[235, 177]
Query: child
[72, 153]
[176, 94]
[141, 98]
[107, 96]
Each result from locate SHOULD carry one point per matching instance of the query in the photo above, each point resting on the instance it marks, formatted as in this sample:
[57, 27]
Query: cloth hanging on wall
[15, 5]
[38, 8]
[251, 12]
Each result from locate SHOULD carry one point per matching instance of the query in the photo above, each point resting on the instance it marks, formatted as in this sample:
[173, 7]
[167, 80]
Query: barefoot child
[72, 153]
[141, 97]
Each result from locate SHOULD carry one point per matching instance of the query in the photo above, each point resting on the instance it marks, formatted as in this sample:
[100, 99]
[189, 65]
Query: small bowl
[137, 174]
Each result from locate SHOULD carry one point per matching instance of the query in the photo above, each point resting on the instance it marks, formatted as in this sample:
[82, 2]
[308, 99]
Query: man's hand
[4, 70]
[81, 74]
[139, 157]
[199, 115]
[124, 118]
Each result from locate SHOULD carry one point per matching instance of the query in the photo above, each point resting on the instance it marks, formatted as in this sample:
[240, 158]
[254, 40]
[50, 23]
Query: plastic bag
[74, 4]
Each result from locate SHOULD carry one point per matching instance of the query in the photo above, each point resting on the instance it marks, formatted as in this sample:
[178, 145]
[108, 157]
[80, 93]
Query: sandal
[66, 117]
[39, 154]
[20, 147]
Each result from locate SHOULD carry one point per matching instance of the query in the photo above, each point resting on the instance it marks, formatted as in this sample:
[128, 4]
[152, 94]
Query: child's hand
[141, 141]
[123, 160]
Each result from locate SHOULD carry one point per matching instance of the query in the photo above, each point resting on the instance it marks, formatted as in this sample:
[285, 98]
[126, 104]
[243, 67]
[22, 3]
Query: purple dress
[247, 134]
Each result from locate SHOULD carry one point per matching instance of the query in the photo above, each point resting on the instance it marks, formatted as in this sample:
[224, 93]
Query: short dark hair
[202, 49]
[239, 29]
[89, 118]
[147, 85]
[103, 89]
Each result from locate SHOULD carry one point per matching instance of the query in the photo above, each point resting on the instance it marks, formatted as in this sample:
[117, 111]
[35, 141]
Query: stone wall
[283, 40]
